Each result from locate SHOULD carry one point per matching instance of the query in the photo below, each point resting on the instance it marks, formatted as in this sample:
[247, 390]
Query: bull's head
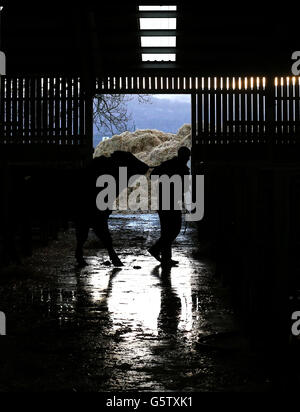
[126, 159]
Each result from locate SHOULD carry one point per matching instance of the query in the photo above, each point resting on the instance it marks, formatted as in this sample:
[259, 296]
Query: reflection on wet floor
[102, 328]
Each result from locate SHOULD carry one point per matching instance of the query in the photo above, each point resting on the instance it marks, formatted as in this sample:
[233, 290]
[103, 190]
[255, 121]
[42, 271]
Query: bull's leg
[102, 231]
[82, 232]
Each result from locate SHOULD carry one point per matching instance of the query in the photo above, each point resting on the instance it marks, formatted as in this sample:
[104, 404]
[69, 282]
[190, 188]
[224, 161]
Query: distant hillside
[165, 115]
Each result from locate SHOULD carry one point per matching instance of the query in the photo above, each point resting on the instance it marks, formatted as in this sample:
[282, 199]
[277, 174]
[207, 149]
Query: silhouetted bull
[87, 214]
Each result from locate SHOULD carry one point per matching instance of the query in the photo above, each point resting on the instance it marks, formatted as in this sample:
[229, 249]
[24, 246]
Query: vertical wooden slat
[297, 106]
[88, 103]
[178, 83]
[185, 83]
[138, 84]
[212, 118]
[27, 135]
[147, 84]
[261, 111]
[243, 112]
[5, 111]
[290, 108]
[293, 106]
[82, 131]
[8, 110]
[277, 106]
[121, 82]
[255, 111]
[230, 111]
[280, 109]
[32, 109]
[57, 110]
[284, 110]
[206, 111]
[173, 83]
[69, 111]
[116, 84]
[75, 112]
[63, 103]
[194, 120]
[133, 82]
[219, 110]
[2, 136]
[51, 111]
[168, 84]
[249, 110]
[224, 108]
[193, 83]
[38, 109]
[200, 116]
[14, 111]
[107, 84]
[45, 122]
[237, 110]
[264, 101]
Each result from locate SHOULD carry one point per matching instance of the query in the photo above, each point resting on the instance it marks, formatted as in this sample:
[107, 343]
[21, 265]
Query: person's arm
[162, 169]
[155, 171]
[185, 188]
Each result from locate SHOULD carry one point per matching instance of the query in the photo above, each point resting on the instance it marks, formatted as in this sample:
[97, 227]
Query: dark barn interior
[245, 135]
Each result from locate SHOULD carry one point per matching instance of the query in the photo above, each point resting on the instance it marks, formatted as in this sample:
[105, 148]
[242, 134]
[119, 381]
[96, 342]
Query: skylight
[158, 41]
[158, 26]
[157, 8]
[159, 57]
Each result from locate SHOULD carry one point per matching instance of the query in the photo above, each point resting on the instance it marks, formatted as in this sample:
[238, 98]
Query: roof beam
[159, 50]
[159, 33]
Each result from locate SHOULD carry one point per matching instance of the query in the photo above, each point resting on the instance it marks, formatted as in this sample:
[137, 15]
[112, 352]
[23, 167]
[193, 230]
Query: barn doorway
[150, 126]
[117, 114]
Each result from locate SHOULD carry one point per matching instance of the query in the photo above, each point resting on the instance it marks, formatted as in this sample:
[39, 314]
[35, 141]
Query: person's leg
[171, 226]
[101, 229]
[156, 249]
[166, 235]
[82, 231]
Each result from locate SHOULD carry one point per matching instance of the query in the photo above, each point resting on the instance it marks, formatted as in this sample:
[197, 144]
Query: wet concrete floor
[129, 329]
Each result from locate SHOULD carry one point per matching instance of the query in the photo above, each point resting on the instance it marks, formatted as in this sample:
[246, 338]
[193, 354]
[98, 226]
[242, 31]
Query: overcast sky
[186, 98]
[167, 112]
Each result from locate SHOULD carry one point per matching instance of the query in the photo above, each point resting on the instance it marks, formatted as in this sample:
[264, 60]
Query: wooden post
[270, 116]
[194, 131]
[91, 67]
[89, 119]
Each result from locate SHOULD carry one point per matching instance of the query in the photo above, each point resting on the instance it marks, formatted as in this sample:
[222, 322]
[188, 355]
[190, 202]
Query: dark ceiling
[103, 37]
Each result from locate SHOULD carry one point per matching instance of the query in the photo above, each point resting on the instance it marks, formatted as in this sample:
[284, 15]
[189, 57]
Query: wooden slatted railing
[42, 110]
[226, 109]
[231, 110]
[147, 84]
[52, 110]
[287, 108]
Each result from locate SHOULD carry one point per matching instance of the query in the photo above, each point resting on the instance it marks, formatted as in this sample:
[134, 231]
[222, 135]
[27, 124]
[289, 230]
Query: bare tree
[111, 113]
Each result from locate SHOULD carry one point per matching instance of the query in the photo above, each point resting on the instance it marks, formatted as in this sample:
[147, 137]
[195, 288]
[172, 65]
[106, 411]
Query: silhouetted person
[170, 220]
